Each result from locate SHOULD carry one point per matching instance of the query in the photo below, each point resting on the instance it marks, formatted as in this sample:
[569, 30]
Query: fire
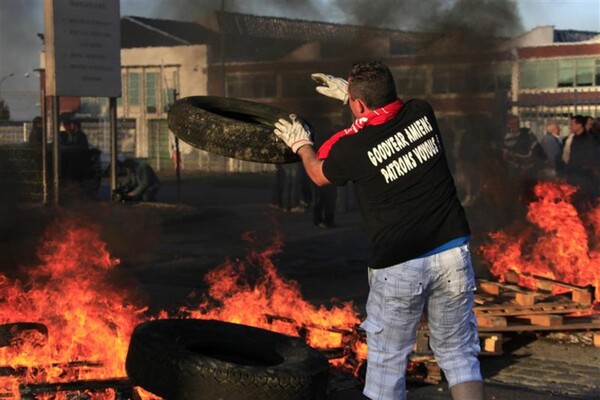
[88, 318]
[560, 243]
[72, 321]
[251, 292]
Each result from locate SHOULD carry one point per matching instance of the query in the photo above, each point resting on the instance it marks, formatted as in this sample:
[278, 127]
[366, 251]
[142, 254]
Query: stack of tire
[21, 170]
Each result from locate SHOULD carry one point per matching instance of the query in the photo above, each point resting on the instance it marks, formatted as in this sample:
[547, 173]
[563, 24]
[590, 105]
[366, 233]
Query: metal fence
[13, 132]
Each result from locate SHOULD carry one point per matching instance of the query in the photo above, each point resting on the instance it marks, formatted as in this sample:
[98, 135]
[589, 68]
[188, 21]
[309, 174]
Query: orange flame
[560, 244]
[251, 292]
[90, 318]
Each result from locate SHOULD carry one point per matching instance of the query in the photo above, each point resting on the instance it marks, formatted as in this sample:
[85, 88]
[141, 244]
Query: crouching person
[142, 182]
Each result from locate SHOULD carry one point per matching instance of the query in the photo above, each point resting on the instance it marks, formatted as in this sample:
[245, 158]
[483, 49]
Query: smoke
[455, 40]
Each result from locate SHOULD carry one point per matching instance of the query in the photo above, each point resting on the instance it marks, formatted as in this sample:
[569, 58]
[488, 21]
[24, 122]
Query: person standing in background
[552, 146]
[325, 197]
[582, 167]
[36, 133]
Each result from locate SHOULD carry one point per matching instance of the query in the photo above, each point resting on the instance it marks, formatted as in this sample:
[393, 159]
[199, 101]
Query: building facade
[540, 75]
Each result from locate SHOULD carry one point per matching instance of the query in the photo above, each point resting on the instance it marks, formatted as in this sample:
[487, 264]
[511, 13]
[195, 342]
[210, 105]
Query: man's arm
[312, 165]
[143, 181]
[296, 136]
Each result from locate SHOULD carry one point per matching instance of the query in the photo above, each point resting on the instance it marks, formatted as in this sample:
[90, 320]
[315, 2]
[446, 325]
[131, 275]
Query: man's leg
[394, 308]
[472, 390]
[452, 325]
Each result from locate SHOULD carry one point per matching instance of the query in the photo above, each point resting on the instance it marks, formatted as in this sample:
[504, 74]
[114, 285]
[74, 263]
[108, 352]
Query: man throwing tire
[419, 233]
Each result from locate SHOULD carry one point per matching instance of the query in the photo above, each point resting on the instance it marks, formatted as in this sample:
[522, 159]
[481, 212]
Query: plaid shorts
[442, 285]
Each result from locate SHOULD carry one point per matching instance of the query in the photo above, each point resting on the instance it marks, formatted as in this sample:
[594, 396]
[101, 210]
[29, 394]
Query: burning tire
[207, 359]
[17, 333]
[230, 127]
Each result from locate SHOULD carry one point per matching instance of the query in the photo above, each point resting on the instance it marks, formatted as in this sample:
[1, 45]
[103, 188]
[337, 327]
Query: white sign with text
[83, 48]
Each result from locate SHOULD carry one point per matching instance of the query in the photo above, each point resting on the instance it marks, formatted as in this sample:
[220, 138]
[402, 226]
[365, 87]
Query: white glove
[294, 133]
[336, 88]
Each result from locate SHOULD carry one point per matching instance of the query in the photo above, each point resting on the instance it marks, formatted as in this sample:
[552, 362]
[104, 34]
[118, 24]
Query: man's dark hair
[66, 118]
[373, 83]
[580, 119]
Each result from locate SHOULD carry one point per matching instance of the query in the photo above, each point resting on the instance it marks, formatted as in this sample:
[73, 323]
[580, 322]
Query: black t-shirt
[403, 186]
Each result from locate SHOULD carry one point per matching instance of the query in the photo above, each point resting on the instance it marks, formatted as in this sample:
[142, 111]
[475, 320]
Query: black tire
[11, 334]
[21, 169]
[230, 127]
[208, 360]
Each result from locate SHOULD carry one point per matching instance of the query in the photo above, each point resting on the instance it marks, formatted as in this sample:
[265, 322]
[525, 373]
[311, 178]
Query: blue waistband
[448, 245]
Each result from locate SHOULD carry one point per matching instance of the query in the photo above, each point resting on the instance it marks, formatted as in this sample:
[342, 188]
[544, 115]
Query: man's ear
[362, 107]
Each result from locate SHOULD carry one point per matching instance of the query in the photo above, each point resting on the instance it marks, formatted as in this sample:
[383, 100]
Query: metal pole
[56, 147]
[44, 112]
[112, 107]
[177, 160]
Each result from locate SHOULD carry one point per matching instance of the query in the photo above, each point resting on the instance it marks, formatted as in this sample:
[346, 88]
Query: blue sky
[21, 20]
[574, 14]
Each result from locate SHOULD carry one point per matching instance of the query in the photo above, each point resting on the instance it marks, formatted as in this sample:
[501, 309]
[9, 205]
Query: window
[171, 96]
[151, 88]
[463, 79]
[410, 80]
[561, 73]
[133, 88]
[527, 75]
[441, 80]
[566, 73]
[457, 82]
[585, 72]
[94, 105]
[170, 84]
[479, 79]
[546, 74]
[250, 85]
[503, 74]
[88, 105]
[398, 47]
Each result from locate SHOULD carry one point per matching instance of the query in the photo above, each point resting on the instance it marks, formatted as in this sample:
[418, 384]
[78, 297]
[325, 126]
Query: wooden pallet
[490, 343]
[531, 323]
[557, 307]
[578, 294]
[506, 307]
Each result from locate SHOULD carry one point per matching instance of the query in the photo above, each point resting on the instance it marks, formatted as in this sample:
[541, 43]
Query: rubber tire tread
[163, 359]
[230, 127]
